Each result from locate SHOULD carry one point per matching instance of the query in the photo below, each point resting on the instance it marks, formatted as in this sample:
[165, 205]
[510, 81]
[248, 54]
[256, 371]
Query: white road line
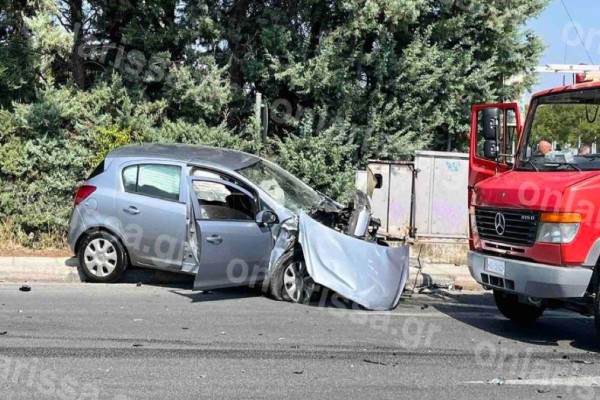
[452, 315]
[566, 381]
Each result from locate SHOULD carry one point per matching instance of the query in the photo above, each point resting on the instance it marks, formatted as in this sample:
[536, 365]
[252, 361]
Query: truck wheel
[597, 311]
[509, 305]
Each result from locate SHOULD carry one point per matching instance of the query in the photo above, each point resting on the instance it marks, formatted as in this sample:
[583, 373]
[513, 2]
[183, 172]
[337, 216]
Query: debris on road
[373, 362]
[298, 372]
[25, 288]
[138, 345]
[139, 284]
[582, 362]
[3, 333]
[496, 381]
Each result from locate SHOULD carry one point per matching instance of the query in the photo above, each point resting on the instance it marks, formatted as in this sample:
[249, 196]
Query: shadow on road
[553, 327]
[219, 295]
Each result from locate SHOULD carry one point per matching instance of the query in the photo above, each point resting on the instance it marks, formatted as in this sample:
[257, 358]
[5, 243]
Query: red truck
[534, 202]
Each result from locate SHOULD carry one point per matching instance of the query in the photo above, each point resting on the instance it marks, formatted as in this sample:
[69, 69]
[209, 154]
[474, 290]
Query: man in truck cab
[535, 216]
[544, 147]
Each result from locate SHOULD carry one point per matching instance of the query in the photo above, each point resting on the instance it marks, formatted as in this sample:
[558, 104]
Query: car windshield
[282, 186]
[562, 133]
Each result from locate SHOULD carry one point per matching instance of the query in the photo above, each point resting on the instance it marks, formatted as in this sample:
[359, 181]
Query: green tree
[345, 81]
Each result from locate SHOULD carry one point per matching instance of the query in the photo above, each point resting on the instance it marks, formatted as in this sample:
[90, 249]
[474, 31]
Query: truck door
[495, 130]
[493, 125]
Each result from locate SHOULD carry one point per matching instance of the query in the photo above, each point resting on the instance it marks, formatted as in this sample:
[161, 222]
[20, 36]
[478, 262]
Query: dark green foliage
[345, 81]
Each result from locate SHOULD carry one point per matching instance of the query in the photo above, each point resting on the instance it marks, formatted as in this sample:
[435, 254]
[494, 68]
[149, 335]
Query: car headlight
[558, 227]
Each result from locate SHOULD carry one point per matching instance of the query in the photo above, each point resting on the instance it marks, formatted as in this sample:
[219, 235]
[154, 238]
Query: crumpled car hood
[367, 273]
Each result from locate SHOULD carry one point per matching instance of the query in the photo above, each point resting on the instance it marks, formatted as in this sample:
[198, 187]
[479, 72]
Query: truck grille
[520, 226]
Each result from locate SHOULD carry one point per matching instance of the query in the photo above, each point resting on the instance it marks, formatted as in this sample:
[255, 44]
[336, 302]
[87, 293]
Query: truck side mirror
[491, 122]
[490, 149]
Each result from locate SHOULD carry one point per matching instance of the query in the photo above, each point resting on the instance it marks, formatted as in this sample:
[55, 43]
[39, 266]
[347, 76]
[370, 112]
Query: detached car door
[234, 249]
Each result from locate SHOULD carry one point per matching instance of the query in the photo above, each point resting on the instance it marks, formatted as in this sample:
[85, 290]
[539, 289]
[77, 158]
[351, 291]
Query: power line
[577, 30]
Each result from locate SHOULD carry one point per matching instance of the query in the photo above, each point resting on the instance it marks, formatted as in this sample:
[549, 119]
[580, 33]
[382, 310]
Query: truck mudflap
[529, 279]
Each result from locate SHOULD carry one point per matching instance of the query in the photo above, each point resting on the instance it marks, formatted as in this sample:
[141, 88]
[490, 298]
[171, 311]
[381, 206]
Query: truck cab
[534, 201]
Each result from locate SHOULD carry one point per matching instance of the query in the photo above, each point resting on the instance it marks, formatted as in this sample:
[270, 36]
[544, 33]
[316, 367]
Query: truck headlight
[558, 227]
[473, 220]
[557, 233]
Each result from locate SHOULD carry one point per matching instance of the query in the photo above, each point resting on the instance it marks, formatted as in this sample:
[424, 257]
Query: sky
[560, 36]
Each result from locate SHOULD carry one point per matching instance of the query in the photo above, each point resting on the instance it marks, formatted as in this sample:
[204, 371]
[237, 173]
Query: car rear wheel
[290, 280]
[102, 258]
[510, 306]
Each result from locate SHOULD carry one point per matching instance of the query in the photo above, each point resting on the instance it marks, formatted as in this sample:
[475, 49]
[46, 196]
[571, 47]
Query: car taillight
[83, 193]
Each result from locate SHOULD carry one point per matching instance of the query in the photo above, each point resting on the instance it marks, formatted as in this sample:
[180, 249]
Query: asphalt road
[128, 342]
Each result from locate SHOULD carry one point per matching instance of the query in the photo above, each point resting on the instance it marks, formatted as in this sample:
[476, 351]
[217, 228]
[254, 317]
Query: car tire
[509, 305]
[290, 280]
[102, 258]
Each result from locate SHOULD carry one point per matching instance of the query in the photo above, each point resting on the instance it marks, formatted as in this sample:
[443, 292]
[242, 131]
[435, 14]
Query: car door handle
[214, 239]
[131, 210]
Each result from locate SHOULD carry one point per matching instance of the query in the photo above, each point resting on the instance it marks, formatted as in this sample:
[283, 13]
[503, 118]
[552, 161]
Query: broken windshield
[282, 186]
[562, 133]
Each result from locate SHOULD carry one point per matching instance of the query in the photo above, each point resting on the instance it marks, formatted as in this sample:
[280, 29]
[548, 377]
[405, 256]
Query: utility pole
[261, 115]
[258, 119]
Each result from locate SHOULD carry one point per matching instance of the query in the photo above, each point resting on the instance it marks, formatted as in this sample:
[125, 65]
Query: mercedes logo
[500, 224]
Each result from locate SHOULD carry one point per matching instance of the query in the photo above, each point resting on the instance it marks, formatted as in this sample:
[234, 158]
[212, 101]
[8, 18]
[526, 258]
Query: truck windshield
[562, 132]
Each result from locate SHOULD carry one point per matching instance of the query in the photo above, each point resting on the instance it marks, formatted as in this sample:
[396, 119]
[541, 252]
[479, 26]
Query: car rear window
[97, 171]
[160, 181]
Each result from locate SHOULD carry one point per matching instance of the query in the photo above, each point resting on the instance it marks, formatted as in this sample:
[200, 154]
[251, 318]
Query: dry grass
[15, 242]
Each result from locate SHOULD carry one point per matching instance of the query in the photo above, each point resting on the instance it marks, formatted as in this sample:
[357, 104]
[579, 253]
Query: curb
[64, 270]
[450, 277]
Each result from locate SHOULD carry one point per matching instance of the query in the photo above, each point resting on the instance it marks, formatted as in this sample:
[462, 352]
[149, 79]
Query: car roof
[230, 159]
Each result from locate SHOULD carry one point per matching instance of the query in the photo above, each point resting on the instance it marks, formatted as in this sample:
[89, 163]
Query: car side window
[154, 180]
[223, 202]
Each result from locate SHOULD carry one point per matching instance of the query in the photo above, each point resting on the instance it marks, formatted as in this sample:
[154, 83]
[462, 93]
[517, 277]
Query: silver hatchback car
[227, 217]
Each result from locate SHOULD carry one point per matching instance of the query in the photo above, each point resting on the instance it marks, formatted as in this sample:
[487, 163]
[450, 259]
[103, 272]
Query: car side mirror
[490, 149]
[266, 217]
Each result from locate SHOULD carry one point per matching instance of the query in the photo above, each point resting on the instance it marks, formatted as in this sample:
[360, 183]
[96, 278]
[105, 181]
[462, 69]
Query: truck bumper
[530, 279]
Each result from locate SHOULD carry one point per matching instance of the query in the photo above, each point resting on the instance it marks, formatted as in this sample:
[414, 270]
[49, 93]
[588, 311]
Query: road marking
[566, 381]
[441, 314]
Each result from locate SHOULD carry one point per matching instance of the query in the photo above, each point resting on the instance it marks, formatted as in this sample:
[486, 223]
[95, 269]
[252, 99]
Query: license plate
[496, 266]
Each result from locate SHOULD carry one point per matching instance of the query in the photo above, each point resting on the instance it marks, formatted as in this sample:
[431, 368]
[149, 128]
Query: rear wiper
[560, 164]
[532, 164]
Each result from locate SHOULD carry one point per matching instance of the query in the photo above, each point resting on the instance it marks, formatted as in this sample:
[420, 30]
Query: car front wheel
[290, 280]
[510, 306]
[102, 258]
